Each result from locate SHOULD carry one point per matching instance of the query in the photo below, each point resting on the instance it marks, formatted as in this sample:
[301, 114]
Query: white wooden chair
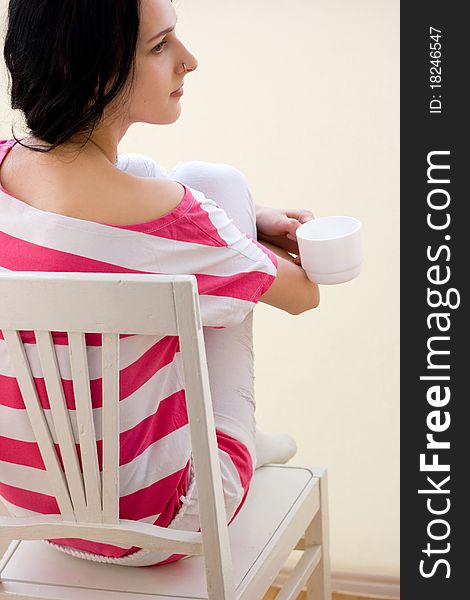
[286, 507]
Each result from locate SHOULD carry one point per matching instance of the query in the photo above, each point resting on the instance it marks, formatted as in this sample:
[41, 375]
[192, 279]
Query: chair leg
[317, 533]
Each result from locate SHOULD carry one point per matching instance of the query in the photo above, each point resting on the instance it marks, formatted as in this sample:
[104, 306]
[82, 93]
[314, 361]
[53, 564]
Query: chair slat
[38, 422]
[110, 423]
[301, 573]
[131, 533]
[86, 426]
[112, 302]
[213, 518]
[62, 424]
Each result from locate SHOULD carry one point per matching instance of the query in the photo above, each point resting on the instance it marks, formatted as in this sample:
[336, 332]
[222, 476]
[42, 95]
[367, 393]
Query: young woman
[82, 73]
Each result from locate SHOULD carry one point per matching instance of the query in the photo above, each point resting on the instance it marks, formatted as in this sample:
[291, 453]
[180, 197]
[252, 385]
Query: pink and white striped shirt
[233, 271]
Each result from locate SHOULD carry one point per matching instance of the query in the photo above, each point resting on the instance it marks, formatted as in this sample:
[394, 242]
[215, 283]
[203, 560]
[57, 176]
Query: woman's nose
[191, 63]
[189, 60]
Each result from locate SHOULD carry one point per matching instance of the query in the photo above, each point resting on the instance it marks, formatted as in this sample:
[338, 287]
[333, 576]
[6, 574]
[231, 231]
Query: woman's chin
[170, 118]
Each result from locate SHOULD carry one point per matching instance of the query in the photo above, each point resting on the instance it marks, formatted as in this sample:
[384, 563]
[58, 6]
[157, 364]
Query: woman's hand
[278, 226]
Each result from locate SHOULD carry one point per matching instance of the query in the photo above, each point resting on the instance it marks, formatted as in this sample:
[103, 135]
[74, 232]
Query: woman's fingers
[301, 214]
[297, 217]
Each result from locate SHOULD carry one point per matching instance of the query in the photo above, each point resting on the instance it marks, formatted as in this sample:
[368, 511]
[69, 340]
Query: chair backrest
[112, 304]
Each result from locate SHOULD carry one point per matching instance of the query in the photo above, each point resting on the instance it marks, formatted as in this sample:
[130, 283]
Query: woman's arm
[291, 291]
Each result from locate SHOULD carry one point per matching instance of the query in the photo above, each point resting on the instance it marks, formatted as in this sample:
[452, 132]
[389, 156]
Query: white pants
[229, 351]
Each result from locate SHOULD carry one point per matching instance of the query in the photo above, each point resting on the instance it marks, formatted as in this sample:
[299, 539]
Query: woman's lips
[178, 92]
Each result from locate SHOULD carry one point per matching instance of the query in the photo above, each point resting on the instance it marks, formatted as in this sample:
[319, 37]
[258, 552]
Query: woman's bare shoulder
[106, 196]
[123, 199]
[140, 199]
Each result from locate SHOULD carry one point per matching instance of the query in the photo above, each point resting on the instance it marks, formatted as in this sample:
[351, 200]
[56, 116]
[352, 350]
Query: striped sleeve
[235, 271]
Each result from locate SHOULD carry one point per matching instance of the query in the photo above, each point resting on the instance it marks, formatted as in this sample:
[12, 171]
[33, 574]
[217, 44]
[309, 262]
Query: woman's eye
[159, 47]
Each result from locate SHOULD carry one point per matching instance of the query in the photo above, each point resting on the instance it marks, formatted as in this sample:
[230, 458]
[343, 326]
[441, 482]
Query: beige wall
[303, 97]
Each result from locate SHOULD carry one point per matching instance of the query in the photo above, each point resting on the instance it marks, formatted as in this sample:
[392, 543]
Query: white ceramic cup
[331, 249]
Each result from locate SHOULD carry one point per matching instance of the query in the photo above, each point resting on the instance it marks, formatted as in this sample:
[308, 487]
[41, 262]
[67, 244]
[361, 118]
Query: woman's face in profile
[159, 66]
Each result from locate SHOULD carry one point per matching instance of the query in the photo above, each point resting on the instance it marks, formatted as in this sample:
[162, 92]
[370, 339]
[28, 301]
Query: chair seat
[260, 541]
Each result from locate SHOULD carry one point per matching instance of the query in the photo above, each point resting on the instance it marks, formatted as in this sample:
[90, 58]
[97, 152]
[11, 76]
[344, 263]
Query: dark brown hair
[67, 60]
